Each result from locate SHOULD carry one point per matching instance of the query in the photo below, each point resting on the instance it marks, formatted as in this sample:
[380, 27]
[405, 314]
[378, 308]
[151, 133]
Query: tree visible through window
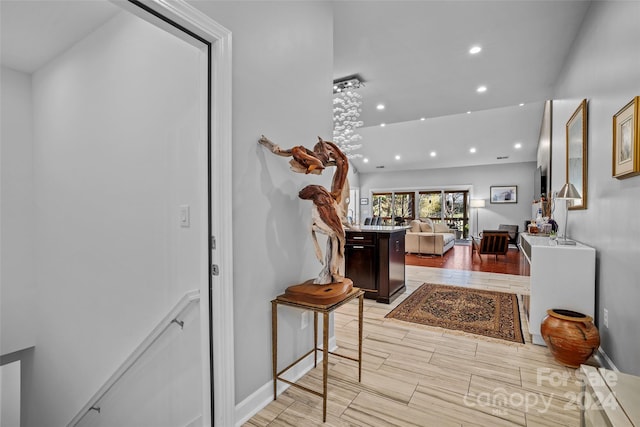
[455, 209]
[381, 204]
[390, 206]
[430, 204]
[449, 207]
[403, 205]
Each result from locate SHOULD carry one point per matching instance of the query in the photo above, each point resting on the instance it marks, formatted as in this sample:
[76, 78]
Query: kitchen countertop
[379, 228]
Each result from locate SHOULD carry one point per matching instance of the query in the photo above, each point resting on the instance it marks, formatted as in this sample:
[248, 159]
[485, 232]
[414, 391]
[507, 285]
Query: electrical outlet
[304, 320]
[605, 317]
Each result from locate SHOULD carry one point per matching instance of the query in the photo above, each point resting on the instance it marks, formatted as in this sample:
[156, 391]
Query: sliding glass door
[455, 210]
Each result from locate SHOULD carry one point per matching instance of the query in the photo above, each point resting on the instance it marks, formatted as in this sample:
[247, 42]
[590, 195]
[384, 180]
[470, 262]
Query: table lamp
[567, 192]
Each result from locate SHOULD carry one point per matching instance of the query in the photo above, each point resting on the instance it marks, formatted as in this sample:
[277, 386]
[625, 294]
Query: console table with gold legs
[325, 310]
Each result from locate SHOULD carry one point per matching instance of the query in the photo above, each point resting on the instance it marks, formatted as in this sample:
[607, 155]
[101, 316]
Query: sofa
[421, 240]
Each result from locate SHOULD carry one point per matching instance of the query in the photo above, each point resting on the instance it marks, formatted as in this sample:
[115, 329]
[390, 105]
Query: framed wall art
[577, 154]
[504, 194]
[626, 140]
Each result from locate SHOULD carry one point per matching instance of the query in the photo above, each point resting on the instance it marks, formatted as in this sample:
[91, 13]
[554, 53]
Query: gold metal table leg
[325, 363]
[274, 345]
[360, 310]
[315, 338]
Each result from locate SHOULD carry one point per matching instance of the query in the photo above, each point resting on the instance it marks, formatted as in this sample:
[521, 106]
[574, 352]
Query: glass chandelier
[346, 115]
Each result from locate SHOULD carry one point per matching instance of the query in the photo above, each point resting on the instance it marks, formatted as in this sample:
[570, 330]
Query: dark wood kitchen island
[374, 260]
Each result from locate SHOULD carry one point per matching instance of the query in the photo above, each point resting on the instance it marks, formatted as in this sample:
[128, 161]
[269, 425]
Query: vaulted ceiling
[414, 59]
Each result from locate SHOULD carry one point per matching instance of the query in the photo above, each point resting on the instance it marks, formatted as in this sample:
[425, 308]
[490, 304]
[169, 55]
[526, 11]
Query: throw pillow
[415, 226]
[425, 227]
[442, 228]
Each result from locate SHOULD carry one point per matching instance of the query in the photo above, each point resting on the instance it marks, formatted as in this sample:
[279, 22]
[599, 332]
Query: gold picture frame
[626, 141]
[577, 154]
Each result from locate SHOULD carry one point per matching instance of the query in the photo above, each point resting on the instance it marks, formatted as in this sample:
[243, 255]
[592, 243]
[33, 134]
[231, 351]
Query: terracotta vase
[571, 336]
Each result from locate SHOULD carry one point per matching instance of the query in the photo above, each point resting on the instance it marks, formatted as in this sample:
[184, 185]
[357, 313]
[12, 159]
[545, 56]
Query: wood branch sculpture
[329, 207]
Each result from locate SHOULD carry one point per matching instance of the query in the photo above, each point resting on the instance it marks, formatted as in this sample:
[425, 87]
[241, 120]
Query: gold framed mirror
[577, 154]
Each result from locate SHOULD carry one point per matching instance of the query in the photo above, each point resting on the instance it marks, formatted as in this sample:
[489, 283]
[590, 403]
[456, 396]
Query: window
[430, 204]
[449, 207]
[455, 209]
[392, 205]
[403, 205]
[381, 203]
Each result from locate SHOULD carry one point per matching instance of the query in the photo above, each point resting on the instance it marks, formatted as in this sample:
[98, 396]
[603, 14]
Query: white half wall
[10, 392]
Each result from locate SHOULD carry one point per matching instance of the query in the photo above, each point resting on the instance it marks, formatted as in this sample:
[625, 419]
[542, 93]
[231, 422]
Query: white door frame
[217, 290]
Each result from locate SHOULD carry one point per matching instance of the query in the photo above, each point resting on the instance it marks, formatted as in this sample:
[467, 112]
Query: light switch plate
[185, 216]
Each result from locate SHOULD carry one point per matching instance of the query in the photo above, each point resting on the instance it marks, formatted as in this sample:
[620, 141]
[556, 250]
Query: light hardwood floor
[416, 375]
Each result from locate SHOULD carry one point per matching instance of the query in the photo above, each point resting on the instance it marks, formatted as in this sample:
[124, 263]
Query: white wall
[17, 277]
[282, 75]
[116, 150]
[478, 179]
[603, 68]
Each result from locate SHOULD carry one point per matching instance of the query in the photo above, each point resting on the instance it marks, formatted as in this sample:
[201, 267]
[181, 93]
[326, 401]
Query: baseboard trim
[605, 361]
[264, 395]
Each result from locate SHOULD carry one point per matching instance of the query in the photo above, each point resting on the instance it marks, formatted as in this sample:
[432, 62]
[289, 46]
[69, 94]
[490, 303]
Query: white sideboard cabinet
[562, 276]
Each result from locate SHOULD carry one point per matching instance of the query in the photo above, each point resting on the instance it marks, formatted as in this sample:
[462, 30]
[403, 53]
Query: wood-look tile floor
[415, 375]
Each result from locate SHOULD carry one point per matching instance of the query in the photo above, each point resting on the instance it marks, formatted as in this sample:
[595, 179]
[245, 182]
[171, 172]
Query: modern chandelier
[346, 113]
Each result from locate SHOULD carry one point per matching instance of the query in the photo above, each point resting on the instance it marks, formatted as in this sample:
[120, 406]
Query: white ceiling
[413, 57]
[36, 31]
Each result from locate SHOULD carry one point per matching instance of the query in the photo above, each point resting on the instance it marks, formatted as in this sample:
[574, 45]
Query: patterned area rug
[487, 313]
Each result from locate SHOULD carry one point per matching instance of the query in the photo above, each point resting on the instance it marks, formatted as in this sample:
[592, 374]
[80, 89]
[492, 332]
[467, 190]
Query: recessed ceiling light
[382, 124]
[475, 49]
[380, 106]
[468, 112]
[481, 89]
[365, 160]
[517, 145]
[422, 119]
[521, 104]
[432, 154]
[472, 150]
[397, 156]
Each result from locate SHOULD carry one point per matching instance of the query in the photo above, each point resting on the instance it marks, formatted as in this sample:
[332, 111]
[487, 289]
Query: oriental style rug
[476, 311]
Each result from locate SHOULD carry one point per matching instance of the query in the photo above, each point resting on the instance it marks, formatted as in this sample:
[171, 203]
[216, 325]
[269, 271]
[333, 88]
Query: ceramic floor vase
[571, 337]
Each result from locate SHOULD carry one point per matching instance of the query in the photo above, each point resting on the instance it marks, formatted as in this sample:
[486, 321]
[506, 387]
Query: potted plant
[465, 230]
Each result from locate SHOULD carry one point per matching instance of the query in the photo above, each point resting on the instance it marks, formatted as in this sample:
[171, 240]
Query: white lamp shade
[477, 203]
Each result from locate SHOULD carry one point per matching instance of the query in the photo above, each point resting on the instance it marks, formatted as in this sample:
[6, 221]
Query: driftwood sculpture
[329, 207]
